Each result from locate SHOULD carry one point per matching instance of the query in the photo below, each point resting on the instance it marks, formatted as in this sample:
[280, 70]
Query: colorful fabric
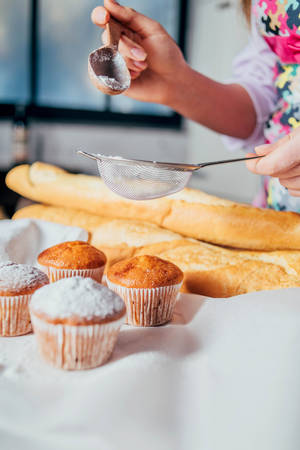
[279, 23]
[269, 69]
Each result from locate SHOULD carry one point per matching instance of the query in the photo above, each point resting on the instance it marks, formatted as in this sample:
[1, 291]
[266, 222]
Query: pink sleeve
[253, 69]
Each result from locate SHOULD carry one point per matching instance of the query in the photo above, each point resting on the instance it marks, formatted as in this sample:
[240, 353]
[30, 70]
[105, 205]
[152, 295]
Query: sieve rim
[181, 167]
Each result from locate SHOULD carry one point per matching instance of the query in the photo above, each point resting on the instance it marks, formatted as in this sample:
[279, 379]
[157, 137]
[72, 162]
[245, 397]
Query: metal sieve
[145, 180]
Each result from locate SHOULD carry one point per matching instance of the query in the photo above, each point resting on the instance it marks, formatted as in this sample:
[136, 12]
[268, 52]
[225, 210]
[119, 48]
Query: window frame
[106, 116]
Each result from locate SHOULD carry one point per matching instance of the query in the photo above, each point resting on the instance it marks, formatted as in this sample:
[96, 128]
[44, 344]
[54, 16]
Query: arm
[161, 75]
[253, 69]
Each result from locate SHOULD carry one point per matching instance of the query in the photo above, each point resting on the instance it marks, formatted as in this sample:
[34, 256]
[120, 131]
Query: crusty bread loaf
[117, 238]
[49, 184]
[191, 213]
[209, 270]
[58, 214]
[218, 272]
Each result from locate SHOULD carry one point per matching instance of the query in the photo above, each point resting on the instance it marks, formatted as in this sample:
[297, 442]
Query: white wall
[215, 35]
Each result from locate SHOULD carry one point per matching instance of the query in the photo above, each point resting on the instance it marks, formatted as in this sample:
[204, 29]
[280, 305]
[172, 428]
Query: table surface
[224, 374]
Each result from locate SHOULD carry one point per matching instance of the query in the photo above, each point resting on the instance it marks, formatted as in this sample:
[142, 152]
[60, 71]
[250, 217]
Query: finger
[131, 49]
[284, 173]
[283, 157]
[100, 16]
[290, 183]
[291, 173]
[136, 66]
[294, 193]
[132, 40]
[132, 19]
[264, 149]
[134, 75]
[251, 165]
[127, 53]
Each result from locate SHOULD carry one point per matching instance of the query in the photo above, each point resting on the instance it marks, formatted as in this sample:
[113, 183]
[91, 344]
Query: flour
[118, 77]
[114, 84]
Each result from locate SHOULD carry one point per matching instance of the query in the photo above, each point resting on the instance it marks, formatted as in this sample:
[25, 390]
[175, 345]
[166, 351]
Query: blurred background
[49, 108]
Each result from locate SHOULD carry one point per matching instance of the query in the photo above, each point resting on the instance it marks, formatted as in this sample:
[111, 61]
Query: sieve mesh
[138, 181]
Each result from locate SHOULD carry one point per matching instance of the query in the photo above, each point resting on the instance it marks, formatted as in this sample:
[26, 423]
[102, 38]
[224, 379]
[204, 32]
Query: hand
[152, 56]
[282, 161]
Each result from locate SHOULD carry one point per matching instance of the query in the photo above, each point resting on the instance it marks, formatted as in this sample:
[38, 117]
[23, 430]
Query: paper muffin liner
[14, 315]
[76, 347]
[57, 274]
[147, 307]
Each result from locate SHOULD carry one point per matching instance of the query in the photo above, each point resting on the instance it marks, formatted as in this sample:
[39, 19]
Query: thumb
[264, 149]
[100, 16]
[260, 150]
[252, 165]
[132, 19]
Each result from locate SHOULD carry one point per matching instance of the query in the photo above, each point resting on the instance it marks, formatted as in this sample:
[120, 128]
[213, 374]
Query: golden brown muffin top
[20, 279]
[72, 255]
[145, 272]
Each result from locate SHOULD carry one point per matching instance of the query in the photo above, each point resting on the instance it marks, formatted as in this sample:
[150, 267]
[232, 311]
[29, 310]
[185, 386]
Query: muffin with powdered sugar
[17, 284]
[76, 321]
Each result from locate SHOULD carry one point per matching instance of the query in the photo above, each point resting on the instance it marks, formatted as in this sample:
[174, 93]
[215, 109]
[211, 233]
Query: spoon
[106, 66]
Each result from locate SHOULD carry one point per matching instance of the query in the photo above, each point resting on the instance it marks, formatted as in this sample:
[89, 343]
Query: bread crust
[220, 272]
[191, 213]
[208, 269]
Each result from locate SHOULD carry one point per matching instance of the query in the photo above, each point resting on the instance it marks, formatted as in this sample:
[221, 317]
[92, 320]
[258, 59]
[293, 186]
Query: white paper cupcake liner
[14, 315]
[148, 307]
[57, 274]
[74, 347]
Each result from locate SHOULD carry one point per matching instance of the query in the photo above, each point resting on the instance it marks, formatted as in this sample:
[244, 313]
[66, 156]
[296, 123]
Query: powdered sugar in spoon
[107, 68]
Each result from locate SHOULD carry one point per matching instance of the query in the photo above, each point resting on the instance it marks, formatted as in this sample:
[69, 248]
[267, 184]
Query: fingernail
[262, 147]
[139, 64]
[114, 1]
[100, 15]
[138, 53]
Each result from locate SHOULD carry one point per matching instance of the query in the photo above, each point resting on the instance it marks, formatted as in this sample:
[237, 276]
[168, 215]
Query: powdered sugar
[77, 296]
[113, 71]
[114, 84]
[14, 277]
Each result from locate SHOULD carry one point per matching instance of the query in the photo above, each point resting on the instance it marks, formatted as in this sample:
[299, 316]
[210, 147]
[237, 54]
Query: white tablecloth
[224, 375]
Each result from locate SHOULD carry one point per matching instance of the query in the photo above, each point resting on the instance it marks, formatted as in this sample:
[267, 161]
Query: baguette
[58, 214]
[190, 213]
[208, 269]
[218, 272]
[49, 184]
[117, 238]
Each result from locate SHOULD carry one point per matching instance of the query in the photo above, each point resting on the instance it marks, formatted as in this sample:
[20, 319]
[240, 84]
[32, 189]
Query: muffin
[70, 259]
[17, 284]
[149, 287]
[76, 322]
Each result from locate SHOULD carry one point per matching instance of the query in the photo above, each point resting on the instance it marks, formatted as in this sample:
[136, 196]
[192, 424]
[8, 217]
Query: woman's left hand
[281, 160]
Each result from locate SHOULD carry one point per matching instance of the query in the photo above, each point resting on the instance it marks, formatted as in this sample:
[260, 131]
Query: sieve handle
[88, 155]
[224, 161]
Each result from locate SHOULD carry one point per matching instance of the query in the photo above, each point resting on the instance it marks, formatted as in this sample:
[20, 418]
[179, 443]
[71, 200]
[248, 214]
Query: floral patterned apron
[279, 23]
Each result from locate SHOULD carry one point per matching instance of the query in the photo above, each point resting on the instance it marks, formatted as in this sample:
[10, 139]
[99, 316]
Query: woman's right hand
[152, 56]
